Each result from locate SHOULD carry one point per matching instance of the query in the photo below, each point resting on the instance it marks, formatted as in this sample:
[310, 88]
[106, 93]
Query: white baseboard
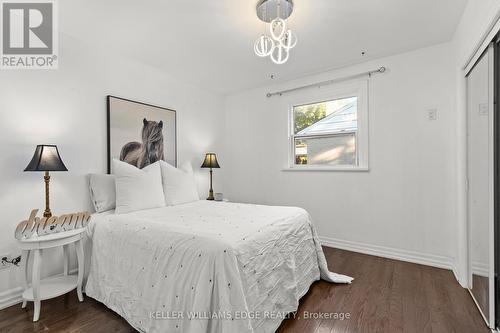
[481, 269]
[455, 272]
[391, 253]
[10, 297]
[14, 296]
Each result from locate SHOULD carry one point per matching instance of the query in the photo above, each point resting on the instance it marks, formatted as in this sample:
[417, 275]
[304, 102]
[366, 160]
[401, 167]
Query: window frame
[337, 91]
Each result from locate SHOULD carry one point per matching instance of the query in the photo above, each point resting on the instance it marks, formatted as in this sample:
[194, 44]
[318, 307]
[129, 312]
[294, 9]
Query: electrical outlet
[5, 265]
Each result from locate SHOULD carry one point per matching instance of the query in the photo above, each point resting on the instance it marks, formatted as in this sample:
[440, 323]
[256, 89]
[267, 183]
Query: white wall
[67, 107]
[475, 21]
[404, 204]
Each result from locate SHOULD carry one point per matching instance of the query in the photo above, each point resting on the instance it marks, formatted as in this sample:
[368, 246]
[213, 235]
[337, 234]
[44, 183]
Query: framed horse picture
[140, 134]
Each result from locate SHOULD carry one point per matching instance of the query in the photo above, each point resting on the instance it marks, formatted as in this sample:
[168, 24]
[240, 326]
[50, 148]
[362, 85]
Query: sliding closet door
[480, 184]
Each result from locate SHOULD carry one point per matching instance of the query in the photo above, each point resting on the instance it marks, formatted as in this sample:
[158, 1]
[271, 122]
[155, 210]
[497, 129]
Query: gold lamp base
[210, 195]
[47, 212]
[211, 191]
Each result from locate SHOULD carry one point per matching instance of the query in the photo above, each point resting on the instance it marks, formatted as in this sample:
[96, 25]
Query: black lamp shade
[210, 161]
[46, 158]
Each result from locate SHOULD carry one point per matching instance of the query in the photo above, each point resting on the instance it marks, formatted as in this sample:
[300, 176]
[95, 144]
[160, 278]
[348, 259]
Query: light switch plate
[483, 109]
[432, 114]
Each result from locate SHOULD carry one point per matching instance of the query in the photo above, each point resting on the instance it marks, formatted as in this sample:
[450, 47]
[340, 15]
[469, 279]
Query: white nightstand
[53, 286]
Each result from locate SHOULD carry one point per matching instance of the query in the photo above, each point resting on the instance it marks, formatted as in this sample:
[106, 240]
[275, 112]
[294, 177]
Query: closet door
[480, 173]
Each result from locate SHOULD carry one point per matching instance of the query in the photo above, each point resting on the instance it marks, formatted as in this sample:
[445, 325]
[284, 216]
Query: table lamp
[210, 162]
[46, 158]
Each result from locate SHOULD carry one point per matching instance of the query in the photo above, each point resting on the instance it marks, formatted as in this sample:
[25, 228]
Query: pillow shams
[137, 189]
[179, 185]
[102, 192]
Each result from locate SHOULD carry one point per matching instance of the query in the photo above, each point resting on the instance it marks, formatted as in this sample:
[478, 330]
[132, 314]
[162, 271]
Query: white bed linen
[223, 261]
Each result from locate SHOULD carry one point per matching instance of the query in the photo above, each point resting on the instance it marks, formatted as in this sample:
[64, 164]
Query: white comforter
[205, 266]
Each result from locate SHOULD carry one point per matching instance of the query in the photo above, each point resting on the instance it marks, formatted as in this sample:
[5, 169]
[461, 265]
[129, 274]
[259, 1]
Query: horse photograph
[150, 150]
[140, 134]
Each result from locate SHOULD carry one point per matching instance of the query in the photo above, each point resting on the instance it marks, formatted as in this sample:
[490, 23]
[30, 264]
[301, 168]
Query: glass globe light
[279, 54]
[277, 28]
[263, 46]
[289, 40]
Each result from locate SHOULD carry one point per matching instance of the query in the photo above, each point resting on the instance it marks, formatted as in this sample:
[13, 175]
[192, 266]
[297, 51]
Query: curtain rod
[323, 83]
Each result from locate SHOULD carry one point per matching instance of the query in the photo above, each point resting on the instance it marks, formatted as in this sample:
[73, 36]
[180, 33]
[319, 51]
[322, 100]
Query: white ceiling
[210, 42]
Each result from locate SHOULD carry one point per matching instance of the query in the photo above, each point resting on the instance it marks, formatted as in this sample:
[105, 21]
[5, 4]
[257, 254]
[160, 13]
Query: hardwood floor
[386, 296]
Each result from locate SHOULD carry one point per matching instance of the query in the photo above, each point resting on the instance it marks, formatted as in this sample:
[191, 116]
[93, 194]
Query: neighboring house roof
[343, 119]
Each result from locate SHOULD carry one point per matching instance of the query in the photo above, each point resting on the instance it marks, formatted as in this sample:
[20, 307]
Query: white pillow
[179, 185]
[137, 189]
[102, 192]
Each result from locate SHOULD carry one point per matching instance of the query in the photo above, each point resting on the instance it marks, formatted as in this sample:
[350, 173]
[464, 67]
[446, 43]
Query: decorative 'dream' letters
[49, 225]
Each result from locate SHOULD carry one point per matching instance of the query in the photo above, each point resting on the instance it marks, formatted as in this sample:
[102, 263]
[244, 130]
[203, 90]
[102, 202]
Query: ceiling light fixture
[282, 40]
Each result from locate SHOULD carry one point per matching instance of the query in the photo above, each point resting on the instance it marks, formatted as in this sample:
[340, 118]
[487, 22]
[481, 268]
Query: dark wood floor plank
[387, 296]
[396, 318]
[416, 313]
[438, 298]
[380, 300]
[461, 303]
[341, 299]
[358, 302]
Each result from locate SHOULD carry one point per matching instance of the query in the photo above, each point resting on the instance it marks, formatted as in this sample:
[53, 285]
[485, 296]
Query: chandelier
[281, 40]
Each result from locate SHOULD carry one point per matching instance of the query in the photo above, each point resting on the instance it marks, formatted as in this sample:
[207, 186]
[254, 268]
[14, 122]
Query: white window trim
[342, 90]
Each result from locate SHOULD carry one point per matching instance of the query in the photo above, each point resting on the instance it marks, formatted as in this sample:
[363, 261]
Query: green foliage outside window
[307, 115]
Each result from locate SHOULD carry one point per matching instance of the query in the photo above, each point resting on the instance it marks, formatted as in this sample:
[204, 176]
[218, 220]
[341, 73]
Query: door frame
[496, 177]
[492, 197]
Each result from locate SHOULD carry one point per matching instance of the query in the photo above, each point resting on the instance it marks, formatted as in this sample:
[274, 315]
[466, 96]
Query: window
[330, 131]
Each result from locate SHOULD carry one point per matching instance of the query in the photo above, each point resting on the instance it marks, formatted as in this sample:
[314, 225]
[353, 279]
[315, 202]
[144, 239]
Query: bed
[205, 266]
